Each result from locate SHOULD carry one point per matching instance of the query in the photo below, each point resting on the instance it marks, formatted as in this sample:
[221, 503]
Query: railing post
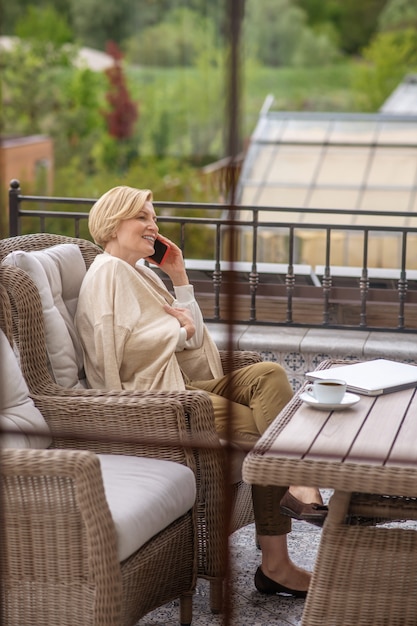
[14, 192]
[254, 275]
[364, 281]
[217, 276]
[402, 283]
[290, 276]
[327, 281]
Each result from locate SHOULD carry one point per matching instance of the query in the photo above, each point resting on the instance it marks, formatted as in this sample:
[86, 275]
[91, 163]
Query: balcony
[293, 312]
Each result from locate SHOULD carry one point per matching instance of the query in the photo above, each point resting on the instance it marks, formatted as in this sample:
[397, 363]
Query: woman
[135, 335]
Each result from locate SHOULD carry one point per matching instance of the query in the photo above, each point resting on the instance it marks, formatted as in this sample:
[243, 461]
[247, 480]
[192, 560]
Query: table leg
[364, 575]
[339, 506]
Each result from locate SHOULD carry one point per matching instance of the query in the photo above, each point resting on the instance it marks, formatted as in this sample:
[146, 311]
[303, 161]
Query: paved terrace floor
[251, 608]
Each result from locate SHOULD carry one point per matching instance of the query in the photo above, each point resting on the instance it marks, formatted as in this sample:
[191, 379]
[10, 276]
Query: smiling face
[134, 238]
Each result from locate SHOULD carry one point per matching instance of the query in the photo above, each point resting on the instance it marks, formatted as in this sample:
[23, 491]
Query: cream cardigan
[128, 340]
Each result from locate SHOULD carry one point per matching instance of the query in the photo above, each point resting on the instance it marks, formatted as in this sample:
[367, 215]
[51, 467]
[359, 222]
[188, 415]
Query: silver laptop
[372, 378]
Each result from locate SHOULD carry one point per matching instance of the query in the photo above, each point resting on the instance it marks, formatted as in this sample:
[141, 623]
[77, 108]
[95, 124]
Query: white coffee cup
[330, 391]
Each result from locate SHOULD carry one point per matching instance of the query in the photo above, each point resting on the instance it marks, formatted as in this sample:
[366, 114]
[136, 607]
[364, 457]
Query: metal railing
[233, 285]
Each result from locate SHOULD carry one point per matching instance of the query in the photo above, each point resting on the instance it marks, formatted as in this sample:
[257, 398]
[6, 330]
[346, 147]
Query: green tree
[44, 24]
[277, 34]
[42, 91]
[28, 101]
[11, 13]
[177, 40]
[356, 21]
[97, 21]
[318, 12]
[152, 12]
[389, 57]
[315, 49]
[398, 15]
[78, 127]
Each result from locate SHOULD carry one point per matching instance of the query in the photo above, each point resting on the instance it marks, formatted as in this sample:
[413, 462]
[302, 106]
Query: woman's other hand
[184, 317]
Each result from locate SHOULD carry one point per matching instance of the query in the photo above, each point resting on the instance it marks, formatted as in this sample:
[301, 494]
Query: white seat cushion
[21, 424]
[144, 496]
[58, 272]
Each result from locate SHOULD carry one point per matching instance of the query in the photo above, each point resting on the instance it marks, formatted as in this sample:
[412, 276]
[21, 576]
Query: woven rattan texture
[58, 548]
[365, 573]
[72, 430]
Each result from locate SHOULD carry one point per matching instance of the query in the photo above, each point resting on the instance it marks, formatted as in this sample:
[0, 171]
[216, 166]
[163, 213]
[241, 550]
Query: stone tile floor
[249, 607]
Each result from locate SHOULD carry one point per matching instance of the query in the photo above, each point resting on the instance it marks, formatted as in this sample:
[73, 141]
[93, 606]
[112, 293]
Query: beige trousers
[245, 402]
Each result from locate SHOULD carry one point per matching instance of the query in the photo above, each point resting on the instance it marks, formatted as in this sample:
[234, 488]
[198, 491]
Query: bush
[175, 41]
[388, 59]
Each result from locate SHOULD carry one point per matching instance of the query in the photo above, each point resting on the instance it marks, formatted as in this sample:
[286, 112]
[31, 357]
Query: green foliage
[79, 126]
[96, 22]
[287, 41]
[318, 12]
[314, 50]
[389, 58]
[272, 29]
[63, 101]
[160, 134]
[12, 12]
[190, 102]
[176, 40]
[44, 24]
[356, 22]
[207, 96]
[327, 88]
[26, 101]
[398, 15]
[172, 180]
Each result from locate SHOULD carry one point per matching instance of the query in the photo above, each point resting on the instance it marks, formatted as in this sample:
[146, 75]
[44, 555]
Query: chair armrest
[115, 424]
[238, 358]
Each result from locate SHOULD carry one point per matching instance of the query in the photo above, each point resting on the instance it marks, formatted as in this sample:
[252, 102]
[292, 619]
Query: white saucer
[349, 399]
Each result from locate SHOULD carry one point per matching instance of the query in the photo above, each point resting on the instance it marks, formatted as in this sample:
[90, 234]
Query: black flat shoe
[269, 586]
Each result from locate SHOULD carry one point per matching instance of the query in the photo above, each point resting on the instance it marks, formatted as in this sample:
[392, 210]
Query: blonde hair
[117, 204]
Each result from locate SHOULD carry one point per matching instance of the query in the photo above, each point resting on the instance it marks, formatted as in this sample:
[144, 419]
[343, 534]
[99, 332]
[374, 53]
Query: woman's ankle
[307, 495]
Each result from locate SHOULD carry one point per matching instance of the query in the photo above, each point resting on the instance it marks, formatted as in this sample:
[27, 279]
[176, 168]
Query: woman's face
[134, 239]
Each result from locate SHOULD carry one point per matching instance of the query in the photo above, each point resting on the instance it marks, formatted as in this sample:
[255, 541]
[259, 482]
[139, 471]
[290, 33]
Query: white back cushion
[21, 424]
[144, 496]
[58, 273]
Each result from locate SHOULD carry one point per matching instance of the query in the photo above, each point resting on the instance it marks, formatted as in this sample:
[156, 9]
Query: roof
[403, 99]
[331, 161]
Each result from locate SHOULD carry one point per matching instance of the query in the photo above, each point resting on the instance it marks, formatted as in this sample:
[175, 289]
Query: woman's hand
[184, 317]
[173, 264]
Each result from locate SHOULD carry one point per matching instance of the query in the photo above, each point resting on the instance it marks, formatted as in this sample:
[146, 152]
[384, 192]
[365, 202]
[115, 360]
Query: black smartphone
[161, 250]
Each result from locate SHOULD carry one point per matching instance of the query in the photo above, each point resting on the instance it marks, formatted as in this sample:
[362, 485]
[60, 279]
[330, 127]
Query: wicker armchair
[68, 552]
[214, 464]
[59, 562]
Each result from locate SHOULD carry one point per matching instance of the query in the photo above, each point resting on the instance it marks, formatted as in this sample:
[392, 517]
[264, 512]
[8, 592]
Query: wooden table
[364, 574]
